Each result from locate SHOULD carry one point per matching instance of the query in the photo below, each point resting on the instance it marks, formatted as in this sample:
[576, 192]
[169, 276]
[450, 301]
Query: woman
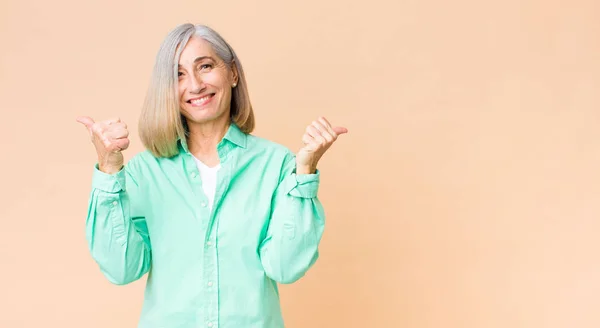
[215, 216]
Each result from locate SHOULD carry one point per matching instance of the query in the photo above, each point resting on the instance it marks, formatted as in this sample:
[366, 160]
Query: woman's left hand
[319, 136]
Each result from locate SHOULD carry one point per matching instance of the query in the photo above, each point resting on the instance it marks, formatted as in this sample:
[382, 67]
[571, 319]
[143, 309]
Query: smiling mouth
[201, 101]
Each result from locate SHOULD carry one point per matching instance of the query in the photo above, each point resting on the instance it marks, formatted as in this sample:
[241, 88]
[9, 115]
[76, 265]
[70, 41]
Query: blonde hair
[161, 123]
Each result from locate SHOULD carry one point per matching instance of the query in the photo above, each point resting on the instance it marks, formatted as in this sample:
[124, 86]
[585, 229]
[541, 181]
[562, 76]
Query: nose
[195, 84]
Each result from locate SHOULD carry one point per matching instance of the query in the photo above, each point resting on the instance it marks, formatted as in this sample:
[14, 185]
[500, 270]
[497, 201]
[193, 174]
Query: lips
[200, 101]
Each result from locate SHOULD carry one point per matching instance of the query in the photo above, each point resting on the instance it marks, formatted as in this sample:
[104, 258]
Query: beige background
[467, 193]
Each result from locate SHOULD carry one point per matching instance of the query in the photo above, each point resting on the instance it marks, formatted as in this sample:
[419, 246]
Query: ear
[234, 72]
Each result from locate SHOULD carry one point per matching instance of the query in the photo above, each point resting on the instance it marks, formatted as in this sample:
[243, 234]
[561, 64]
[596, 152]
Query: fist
[317, 139]
[110, 138]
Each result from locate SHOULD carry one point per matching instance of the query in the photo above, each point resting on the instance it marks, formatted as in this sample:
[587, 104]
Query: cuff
[108, 182]
[303, 185]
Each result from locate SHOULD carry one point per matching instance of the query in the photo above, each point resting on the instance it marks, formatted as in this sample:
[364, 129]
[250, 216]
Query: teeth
[198, 101]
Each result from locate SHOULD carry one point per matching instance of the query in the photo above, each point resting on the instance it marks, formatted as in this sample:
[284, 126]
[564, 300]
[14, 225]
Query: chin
[202, 116]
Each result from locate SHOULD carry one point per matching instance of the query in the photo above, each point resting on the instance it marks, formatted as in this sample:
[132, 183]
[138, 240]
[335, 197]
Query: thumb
[340, 130]
[85, 120]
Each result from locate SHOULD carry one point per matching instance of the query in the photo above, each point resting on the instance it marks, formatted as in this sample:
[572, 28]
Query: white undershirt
[209, 180]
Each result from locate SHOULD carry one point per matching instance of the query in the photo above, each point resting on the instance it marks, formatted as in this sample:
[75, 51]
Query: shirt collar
[233, 135]
[236, 136]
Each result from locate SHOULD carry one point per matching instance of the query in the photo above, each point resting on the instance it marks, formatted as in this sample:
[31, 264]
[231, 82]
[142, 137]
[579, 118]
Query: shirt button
[203, 204]
[194, 174]
[208, 243]
[210, 283]
[210, 324]
[115, 203]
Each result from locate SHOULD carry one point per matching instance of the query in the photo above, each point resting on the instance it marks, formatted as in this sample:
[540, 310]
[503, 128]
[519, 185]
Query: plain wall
[465, 195]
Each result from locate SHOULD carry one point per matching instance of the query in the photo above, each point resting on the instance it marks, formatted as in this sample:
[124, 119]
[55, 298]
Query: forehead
[196, 47]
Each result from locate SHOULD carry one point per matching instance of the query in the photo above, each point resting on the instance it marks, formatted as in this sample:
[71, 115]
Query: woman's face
[205, 83]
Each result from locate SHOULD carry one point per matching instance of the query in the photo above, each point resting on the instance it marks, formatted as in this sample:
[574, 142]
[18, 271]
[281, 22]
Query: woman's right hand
[110, 138]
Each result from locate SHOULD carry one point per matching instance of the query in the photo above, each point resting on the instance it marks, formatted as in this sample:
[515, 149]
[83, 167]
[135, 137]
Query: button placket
[210, 281]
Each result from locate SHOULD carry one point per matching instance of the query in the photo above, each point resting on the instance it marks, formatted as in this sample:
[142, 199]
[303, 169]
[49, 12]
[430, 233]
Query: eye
[206, 66]
[180, 74]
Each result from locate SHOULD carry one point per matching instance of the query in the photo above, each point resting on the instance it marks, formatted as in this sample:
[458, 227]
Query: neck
[203, 139]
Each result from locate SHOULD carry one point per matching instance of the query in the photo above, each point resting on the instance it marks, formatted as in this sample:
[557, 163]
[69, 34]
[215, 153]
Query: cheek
[181, 91]
[219, 79]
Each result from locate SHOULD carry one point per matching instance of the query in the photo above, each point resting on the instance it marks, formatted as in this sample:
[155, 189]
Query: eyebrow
[201, 58]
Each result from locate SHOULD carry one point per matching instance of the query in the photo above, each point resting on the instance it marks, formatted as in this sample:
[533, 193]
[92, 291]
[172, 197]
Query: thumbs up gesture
[110, 138]
[317, 139]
